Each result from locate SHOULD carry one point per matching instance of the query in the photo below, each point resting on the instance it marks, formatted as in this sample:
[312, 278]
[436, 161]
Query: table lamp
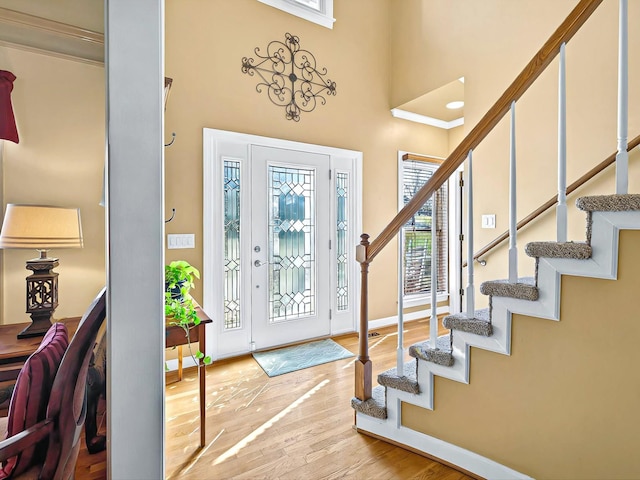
[41, 227]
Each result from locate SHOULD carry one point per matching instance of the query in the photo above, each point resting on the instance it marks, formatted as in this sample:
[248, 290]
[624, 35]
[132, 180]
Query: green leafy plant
[178, 303]
[178, 277]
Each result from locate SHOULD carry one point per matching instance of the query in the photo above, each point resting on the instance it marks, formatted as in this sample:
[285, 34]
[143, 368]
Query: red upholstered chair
[48, 407]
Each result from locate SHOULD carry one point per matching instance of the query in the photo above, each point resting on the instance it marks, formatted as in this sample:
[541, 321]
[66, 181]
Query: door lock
[256, 248]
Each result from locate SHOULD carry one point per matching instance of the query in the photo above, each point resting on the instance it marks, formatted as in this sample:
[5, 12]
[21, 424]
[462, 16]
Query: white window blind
[417, 233]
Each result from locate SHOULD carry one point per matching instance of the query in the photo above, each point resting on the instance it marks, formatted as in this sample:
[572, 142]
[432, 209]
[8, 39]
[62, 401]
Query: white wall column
[135, 230]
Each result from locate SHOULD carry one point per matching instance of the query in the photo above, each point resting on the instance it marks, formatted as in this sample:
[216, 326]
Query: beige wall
[205, 42]
[564, 404]
[59, 108]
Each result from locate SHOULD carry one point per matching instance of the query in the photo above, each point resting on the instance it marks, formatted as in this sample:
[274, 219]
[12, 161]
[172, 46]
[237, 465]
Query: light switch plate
[488, 221]
[181, 240]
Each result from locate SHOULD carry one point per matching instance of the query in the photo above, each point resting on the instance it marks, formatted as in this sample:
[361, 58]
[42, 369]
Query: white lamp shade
[41, 227]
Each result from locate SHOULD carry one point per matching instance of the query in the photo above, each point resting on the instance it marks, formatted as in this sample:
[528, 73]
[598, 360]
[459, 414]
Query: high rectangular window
[316, 11]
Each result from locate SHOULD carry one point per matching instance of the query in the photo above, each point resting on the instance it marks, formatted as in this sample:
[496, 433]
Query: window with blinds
[417, 233]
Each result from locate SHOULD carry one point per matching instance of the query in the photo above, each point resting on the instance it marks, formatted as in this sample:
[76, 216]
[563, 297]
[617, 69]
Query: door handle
[258, 263]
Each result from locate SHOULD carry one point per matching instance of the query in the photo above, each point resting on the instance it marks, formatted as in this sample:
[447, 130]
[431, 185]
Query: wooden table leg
[179, 363]
[202, 378]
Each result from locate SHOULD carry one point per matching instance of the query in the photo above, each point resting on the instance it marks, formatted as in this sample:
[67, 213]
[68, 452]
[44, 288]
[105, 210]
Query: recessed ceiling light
[455, 105]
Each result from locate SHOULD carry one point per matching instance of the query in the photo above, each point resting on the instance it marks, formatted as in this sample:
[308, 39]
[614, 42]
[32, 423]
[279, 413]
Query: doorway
[281, 221]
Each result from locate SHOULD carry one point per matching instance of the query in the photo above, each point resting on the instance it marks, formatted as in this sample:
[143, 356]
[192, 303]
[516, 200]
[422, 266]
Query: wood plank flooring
[294, 426]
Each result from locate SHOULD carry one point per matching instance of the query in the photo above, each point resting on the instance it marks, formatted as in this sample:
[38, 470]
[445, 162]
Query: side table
[176, 337]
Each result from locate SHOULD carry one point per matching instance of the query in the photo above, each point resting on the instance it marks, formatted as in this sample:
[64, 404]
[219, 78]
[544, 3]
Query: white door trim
[211, 217]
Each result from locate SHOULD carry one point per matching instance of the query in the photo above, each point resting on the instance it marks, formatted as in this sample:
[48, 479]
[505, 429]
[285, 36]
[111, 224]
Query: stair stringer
[603, 264]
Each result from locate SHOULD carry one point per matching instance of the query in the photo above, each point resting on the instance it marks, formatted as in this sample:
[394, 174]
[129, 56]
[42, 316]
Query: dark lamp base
[38, 328]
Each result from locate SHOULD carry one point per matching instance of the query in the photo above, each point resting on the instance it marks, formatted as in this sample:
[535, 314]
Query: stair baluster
[561, 209]
[470, 289]
[433, 323]
[622, 157]
[400, 349]
[513, 250]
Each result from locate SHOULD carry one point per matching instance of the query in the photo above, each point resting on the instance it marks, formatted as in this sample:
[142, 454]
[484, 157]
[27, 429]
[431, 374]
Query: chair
[96, 389]
[45, 445]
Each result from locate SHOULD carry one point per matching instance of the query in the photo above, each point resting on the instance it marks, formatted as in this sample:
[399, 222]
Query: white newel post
[622, 157]
[433, 324]
[561, 209]
[469, 290]
[400, 349]
[513, 251]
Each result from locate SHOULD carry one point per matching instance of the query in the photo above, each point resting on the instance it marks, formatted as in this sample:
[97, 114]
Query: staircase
[490, 329]
[406, 392]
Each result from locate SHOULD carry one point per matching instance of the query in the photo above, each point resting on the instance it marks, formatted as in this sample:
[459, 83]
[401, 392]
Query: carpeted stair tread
[524, 289]
[376, 406]
[575, 250]
[609, 203]
[479, 325]
[441, 355]
[407, 382]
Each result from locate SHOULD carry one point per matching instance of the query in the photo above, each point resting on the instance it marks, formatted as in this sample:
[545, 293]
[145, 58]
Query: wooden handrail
[523, 81]
[553, 200]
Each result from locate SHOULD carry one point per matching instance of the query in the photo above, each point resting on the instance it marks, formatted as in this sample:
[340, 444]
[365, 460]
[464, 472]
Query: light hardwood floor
[294, 426]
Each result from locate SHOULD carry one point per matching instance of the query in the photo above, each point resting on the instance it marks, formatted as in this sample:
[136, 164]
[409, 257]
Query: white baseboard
[450, 453]
[172, 365]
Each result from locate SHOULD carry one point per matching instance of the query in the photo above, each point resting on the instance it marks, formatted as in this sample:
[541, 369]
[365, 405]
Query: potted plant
[178, 278]
[178, 303]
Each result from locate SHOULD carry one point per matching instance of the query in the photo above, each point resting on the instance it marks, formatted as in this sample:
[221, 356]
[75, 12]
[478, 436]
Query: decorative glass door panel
[292, 255]
[232, 285]
[291, 246]
[342, 239]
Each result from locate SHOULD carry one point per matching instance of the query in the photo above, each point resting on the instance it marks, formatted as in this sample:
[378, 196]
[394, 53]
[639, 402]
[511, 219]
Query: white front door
[290, 234]
[281, 221]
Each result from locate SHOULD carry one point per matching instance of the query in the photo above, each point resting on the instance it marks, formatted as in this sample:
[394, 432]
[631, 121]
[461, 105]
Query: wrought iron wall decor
[290, 76]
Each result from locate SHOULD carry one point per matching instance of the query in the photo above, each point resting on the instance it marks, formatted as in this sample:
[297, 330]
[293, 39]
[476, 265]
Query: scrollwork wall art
[290, 76]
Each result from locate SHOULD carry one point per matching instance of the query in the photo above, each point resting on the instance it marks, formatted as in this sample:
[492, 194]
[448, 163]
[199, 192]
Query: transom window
[316, 11]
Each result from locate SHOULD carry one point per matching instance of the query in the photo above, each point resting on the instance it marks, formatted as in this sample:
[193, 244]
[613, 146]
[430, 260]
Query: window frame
[323, 16]
[422, 299]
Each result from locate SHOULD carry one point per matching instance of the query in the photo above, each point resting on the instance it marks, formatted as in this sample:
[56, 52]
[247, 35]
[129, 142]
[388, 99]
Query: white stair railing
[561, 209]
[622, 157]
[400, 349]
[433, 323]
[513, 250]
[470, 289]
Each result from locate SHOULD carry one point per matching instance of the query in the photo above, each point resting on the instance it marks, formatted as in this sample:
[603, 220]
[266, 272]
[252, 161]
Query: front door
[281, 221]
[290, 234]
